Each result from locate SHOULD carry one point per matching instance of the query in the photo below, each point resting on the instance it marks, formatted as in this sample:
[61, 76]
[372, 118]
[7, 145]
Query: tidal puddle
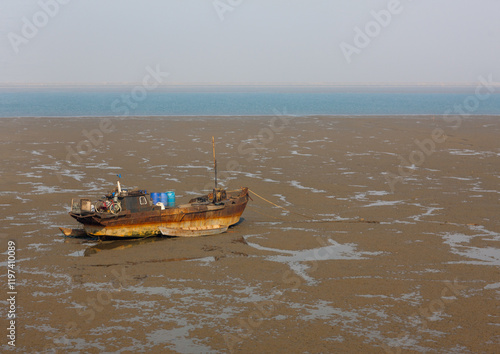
[459, 244]
[204, 261]
[295, 259]
[177, 339]
[298, 185]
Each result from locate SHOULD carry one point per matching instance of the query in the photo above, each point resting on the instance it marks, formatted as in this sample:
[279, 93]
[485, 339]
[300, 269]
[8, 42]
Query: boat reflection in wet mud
[120, 244]
[123, 244]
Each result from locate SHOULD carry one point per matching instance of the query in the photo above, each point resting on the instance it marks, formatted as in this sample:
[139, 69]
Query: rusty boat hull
[193, 231]
[215, 210]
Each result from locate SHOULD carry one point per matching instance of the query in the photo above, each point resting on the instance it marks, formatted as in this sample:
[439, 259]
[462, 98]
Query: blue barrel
[164, 198]
[155, 197]
[171, 198]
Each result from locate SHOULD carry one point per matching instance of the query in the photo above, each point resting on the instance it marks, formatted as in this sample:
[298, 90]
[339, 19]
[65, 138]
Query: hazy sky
[264, 41]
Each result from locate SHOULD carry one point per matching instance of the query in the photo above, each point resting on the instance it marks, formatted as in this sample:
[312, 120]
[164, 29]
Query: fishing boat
[133, 214]
[136, 213]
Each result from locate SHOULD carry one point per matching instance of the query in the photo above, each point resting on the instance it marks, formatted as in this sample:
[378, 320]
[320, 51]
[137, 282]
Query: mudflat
[388, 239]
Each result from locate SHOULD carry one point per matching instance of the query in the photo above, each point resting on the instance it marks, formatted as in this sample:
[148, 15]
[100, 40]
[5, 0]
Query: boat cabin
[134, 201]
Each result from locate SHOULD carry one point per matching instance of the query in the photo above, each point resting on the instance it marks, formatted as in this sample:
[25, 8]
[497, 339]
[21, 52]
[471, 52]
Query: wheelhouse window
[143, 200]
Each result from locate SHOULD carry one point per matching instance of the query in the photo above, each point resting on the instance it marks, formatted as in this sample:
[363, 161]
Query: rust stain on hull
[151, 229]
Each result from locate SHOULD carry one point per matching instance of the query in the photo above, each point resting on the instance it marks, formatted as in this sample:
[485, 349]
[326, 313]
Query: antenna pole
[215, 161]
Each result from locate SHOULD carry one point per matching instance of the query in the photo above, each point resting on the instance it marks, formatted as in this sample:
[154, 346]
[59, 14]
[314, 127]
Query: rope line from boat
[312, 219]
[279, 206]
[267, 215]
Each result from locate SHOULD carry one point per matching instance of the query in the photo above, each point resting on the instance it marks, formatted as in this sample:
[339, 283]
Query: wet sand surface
[390, 240]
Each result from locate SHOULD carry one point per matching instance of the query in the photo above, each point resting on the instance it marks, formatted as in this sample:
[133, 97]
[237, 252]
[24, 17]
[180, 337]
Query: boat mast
[215, 161]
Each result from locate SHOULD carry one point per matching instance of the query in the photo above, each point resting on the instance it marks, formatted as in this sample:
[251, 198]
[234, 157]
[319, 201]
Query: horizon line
[215, 84]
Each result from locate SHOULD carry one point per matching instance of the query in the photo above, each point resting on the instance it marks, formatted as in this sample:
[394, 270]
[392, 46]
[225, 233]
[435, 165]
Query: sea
[132, 101]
